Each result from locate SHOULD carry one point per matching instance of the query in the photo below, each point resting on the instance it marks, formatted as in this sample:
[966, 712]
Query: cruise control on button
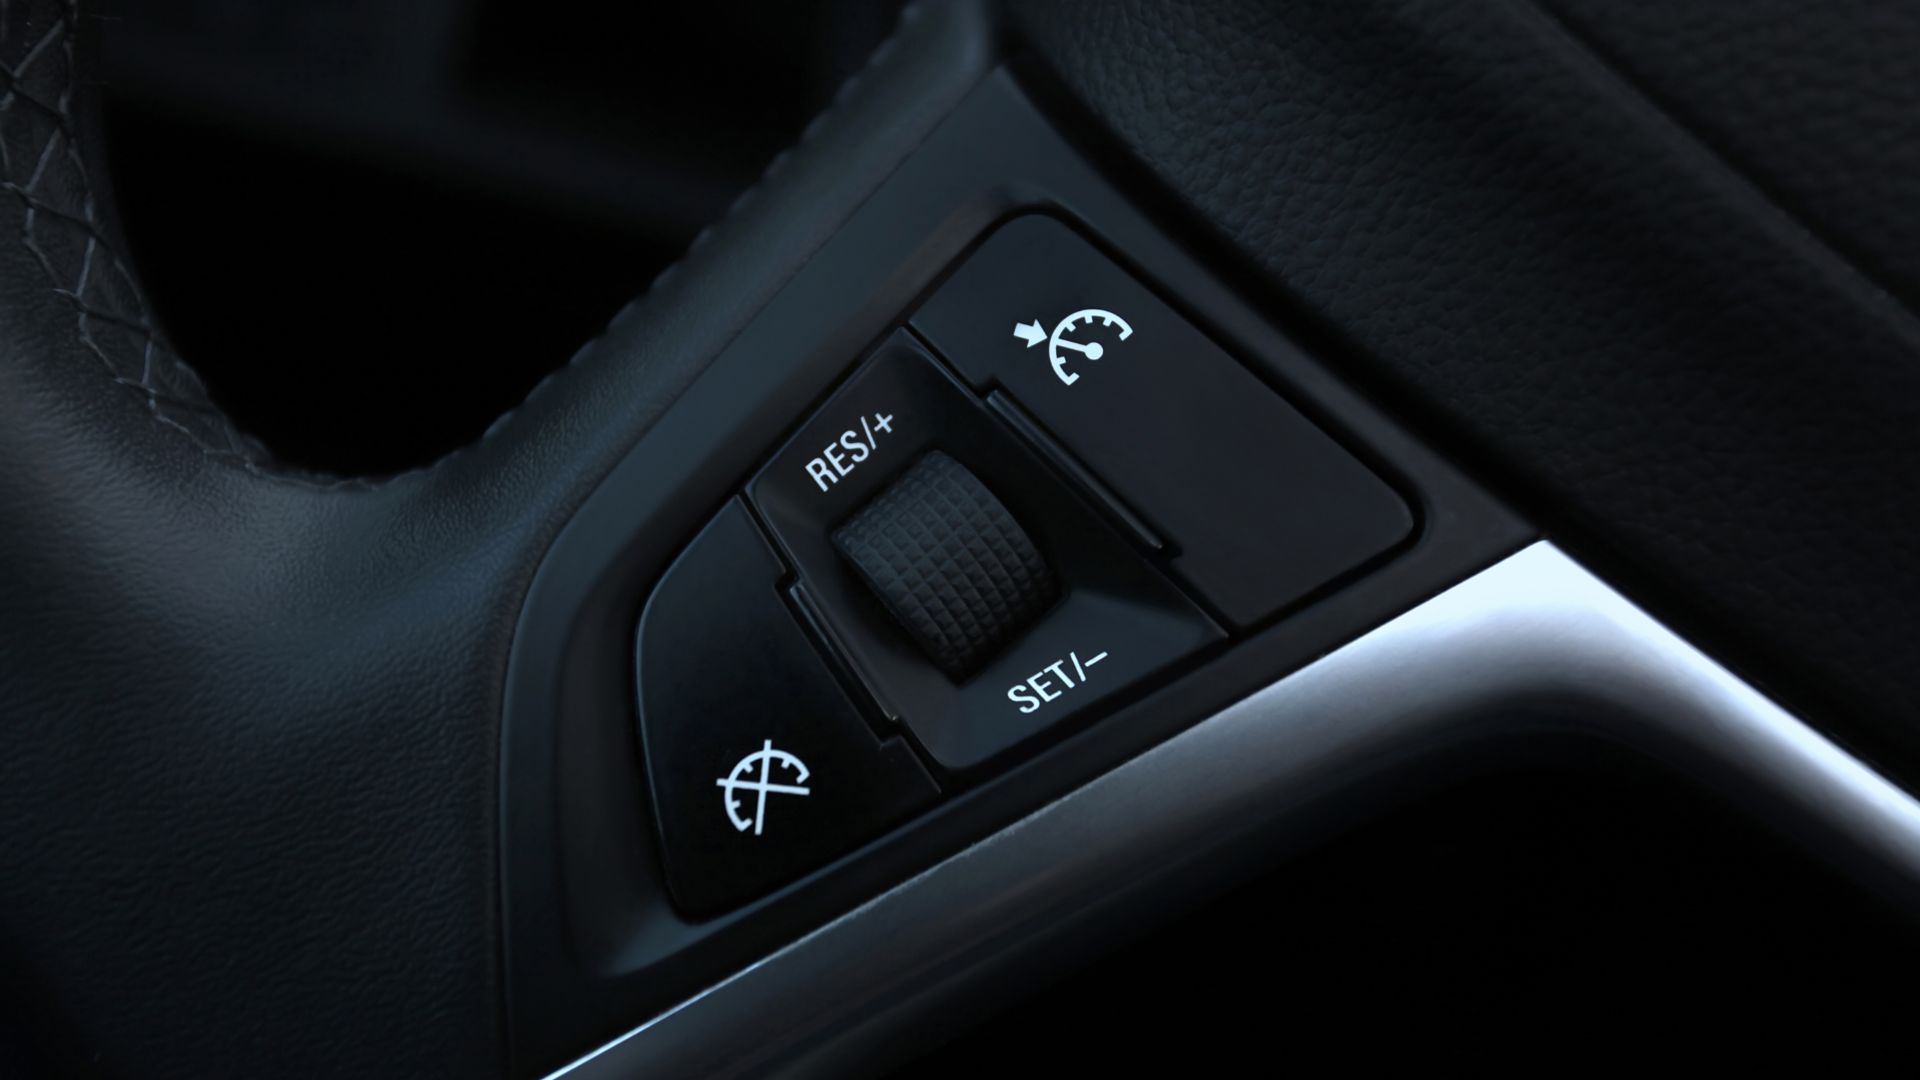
[1261, 506]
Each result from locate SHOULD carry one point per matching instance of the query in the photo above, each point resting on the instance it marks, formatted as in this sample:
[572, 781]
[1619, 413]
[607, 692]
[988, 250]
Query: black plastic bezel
[593, 944]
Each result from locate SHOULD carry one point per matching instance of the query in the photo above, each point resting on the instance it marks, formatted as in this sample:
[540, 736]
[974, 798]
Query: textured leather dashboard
[1502, 235]
[1817, 104]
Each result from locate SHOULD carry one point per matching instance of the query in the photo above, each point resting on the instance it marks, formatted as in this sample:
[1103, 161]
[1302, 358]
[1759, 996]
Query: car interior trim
[1533, 645]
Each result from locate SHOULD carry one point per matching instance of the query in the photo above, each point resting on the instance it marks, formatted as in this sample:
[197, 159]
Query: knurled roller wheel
[948, 562]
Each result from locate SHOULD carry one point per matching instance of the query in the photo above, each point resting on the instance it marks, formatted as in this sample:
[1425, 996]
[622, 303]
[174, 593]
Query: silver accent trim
[1532, 641]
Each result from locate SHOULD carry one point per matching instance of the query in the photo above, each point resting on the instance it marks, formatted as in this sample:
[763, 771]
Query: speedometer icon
[1089, 332]
[1080, 333]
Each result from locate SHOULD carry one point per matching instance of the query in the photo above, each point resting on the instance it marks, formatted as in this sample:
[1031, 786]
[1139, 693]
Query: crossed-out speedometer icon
[756, 774]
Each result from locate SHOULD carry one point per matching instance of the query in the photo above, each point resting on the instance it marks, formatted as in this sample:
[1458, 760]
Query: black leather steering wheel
[251, 745]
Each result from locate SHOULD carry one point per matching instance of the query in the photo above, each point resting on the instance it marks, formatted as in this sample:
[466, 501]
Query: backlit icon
[1064, 338]
[755, 773]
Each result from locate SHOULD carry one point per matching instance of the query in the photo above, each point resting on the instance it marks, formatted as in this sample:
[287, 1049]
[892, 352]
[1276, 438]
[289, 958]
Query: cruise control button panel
[760, 766]
[970, 550]
[976, 507]
[1261, 506]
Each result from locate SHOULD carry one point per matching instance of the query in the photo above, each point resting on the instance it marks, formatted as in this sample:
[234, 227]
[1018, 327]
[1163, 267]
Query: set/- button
[1055, 681]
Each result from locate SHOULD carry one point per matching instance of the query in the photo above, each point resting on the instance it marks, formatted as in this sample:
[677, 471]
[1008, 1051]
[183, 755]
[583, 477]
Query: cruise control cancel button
[759, 766]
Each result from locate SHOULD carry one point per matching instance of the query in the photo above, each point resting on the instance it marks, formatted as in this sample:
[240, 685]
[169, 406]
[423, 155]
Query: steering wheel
[1609, 393]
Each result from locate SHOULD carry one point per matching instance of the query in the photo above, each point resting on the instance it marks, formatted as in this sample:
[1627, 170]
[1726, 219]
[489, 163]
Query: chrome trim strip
[1535, 640]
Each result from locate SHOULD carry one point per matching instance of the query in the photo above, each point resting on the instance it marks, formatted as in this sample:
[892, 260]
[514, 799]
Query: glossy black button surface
[761, 768]
[1261, 506]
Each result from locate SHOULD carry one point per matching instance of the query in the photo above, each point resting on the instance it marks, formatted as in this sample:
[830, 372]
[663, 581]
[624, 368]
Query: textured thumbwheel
[948, 562]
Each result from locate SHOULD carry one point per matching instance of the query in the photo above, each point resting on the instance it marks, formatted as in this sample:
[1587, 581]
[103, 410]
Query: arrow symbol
[1032, 333]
